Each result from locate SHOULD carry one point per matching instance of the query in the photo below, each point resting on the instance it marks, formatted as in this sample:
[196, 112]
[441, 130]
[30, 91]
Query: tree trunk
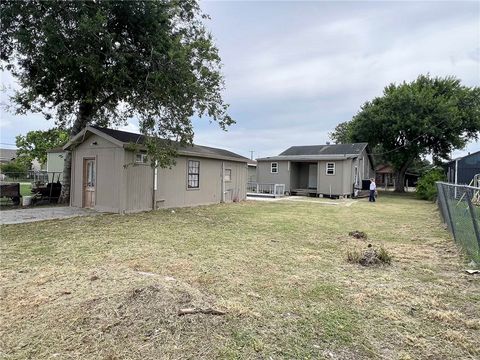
[82, 120]
[400, 178]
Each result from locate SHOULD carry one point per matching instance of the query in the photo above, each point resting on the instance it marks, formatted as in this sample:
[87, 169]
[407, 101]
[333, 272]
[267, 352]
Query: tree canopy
[34, 144]
[102, 62]
[428, 116]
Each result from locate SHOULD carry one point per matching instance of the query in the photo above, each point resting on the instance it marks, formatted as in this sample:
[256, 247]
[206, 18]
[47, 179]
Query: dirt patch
[358, 235]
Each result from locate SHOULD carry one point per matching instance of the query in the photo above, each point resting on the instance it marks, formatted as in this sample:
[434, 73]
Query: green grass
[26, 189]
[109, 287]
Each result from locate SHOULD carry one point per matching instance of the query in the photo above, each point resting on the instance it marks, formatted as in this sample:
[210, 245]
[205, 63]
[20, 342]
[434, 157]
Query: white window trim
[271, 168]
[199, 166]
[143, 158]
[326, 168]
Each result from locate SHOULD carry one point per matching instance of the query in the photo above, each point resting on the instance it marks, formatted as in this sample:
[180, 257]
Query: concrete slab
[20, 216]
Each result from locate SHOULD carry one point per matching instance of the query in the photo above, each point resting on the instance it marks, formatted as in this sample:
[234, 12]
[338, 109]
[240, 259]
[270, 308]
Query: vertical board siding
[109, 166]
[139, 184]
[172, 183]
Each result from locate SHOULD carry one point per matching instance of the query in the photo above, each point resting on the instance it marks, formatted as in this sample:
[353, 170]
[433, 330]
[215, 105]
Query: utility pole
[251, 154]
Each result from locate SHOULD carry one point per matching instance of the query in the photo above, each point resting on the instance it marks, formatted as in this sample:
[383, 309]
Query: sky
[294, 70]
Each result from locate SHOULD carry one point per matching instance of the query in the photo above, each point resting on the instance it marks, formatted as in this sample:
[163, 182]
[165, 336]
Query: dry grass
[109, 287]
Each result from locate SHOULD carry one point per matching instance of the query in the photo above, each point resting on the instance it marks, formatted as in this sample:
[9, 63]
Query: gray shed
[327, 170]
[108, 176]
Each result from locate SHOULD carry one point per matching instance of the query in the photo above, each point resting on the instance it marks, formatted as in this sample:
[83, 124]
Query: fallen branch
[209, 311]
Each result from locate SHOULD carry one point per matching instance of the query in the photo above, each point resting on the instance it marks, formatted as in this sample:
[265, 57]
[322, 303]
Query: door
[312, 176]
[89, 183]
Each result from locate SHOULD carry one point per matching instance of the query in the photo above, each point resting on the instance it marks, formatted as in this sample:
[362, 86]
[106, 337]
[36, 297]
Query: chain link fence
[460, 209]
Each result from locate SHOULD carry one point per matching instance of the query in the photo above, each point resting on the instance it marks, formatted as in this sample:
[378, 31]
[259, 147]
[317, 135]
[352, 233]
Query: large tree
[102, 62]
[428, 116]
[34, 144]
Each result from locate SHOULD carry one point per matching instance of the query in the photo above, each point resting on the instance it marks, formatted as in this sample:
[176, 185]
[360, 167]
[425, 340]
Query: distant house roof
[319, 152]
[7, 155]
[384, 169]
[124, 139]
[252, 163]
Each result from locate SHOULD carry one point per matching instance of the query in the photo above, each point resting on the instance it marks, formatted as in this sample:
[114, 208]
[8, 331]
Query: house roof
[7, 155]
[319, 152]
[335, 149]
[384, 169]
[124, 138]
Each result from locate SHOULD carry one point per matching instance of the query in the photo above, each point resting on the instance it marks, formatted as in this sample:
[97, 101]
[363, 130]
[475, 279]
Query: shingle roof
[7, 154]
[336, 149]
[205, 151]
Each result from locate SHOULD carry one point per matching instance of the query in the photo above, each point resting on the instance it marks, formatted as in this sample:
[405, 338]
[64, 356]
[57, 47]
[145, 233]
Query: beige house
[108, 176]
[318, 170]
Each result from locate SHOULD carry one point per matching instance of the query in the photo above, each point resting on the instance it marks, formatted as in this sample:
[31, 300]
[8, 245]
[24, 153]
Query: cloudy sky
[296, 69]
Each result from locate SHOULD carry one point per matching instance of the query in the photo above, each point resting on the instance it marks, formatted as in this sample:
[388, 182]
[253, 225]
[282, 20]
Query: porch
[265, 190]
[303, 178]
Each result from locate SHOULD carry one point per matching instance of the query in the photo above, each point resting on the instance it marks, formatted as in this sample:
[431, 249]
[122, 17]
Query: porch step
[304, 192]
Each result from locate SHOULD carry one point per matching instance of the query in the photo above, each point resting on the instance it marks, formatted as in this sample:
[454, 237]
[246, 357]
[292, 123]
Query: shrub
[426, 188]
[370, 256]
[14, 167]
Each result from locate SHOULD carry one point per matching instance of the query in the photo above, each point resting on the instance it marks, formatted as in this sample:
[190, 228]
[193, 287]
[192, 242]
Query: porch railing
[275, 190]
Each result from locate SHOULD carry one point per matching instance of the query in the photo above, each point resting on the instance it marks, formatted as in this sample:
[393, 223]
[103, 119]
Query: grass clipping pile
[370, 256]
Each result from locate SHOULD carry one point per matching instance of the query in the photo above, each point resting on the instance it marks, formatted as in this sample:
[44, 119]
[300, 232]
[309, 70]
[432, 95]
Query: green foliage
[102, 62]
[426, 188]
[431, 115]
[14, 167]
[36, 143]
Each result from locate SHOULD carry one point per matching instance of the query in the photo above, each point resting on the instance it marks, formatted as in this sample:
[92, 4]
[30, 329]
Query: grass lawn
[26, 189]
[110, 287]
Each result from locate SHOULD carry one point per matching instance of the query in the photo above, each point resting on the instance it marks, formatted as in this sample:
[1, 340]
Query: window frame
[276, 168]
[229, 175]
[197, 174]
[327, 168]
[144, 158]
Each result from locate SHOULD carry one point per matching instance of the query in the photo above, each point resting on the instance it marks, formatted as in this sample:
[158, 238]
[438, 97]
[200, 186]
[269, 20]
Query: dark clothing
[372, 196]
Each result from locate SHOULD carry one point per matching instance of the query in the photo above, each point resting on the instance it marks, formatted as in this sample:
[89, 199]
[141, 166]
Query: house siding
[172, 183]
[109, 191]
[264, 176]
[55, 162]
[139, 184]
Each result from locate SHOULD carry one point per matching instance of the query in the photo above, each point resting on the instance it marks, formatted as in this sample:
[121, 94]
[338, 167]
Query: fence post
[450, 219]
[474, 219]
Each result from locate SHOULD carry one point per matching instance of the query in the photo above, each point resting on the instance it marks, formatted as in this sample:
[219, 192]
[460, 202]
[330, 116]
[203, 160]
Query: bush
[14, 167]
[426, 188]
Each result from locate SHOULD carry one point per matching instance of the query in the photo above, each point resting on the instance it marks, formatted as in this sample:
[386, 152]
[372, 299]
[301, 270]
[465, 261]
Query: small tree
[34, 144]
[427, 116]
[426, 188]
[102, 62]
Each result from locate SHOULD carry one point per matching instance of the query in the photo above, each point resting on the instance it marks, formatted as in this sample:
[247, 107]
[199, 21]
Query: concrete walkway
[20, 216]
[320, 201]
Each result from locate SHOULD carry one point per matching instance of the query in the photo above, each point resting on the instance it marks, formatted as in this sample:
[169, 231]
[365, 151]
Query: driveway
[20, 216]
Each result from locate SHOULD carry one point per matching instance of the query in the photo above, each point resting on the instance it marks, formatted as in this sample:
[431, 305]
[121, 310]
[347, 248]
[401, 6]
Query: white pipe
[222, 198]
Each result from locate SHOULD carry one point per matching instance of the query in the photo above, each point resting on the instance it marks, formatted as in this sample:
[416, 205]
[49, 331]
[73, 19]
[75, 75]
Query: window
[330, 170]
[140, 158]
[228, 175]
[274, 168]
[193, 176]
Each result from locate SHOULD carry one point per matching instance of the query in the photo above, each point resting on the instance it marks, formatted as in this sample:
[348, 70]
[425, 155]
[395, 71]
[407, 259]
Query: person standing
[373, 189]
